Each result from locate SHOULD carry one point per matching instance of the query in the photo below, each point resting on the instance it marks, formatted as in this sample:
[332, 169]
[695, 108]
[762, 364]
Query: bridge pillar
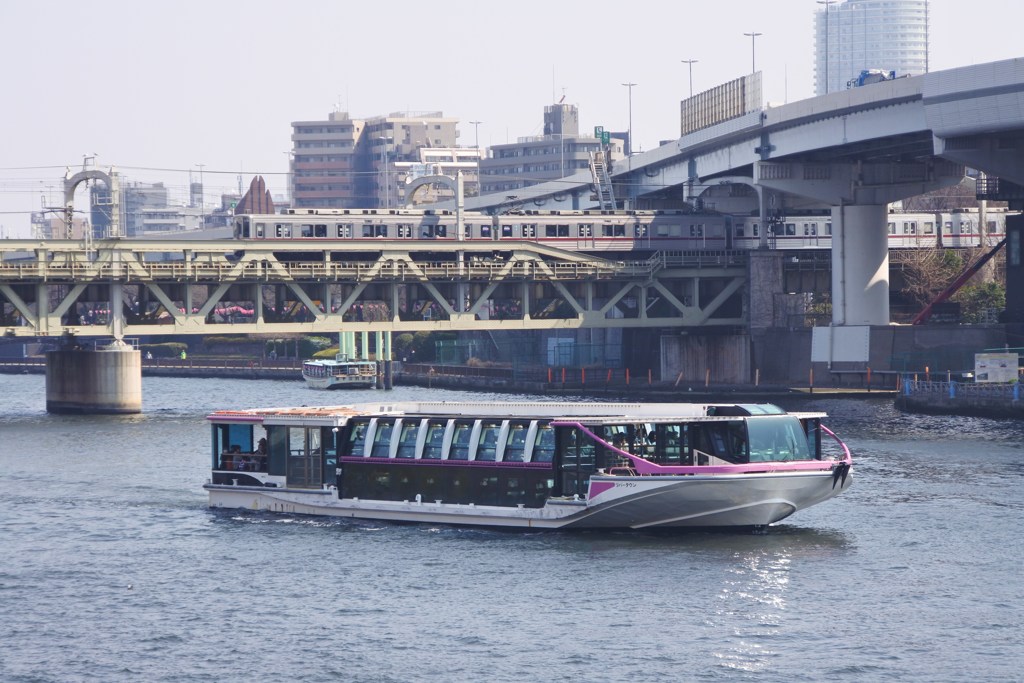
[859, 193]
[107, 380]
[860, 265]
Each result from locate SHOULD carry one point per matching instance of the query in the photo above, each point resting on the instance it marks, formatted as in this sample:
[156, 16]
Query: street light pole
[202, 193]
[753, 55]
[476, 133]
[629, 148]
[690, 63]
[828, 75]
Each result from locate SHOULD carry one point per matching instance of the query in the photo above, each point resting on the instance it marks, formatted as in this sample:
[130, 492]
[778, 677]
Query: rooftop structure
[561, 151]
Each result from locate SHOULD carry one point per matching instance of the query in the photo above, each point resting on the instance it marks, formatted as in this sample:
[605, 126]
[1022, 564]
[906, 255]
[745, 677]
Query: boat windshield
[774, 438]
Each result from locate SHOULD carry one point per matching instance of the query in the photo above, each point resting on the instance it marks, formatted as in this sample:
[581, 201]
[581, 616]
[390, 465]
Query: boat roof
[592, 413]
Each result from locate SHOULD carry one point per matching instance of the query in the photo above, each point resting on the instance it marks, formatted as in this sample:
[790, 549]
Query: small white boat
[341, 372]
[529, 465]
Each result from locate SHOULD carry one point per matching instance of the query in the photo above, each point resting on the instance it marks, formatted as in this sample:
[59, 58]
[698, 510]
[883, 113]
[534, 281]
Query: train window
[344, 230]
[966, 226]
[427, 232]
[563, 230]
[666, 230]
[892, 228]
[585, 230]
[639, 230]
[368, 230]
[807, 229]
[693, 230]
[949, 226]
[283, 230]
[617, 230]
[485, 231]
[261, 229]
[441, 231]
[912, 225]
[404, 230]
[791, 228]
[305, 230]
[549, 231]
[992, 226]
[739, 230]
[319, 231]
[757, 230]
[530, 230]
[828, 228]
[380, 231]
[467, 230]
[506, 230]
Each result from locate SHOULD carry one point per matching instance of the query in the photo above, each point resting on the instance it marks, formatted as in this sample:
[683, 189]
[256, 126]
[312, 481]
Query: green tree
[976, 301]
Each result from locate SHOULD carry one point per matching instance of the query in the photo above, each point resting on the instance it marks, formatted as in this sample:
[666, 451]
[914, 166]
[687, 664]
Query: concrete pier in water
[107, 380]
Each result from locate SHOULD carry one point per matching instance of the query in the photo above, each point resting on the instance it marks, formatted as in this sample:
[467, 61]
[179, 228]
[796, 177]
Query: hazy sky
[159, 88]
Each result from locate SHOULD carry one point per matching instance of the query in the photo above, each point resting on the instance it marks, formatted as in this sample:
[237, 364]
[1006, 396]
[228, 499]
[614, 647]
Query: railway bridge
[121, 287]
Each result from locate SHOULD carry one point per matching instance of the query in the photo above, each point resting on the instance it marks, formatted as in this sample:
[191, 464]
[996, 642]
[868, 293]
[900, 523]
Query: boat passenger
[261, 446]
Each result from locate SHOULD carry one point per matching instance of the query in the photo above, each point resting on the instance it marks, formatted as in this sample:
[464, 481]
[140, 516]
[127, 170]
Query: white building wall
[869, 34]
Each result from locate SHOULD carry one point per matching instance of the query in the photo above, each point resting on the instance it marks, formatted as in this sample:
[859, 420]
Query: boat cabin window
[407, 442]
[487, 448]
[544, 444]
[671, 444]
[777, 438]
[515, 445]
[357, 439]
[382, 440]
[726, 441]
[433, 445]
[460, 441]
[233, 448]
[812, 427]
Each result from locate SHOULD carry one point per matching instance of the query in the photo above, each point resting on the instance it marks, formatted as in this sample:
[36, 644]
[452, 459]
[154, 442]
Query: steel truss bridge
[123, 287]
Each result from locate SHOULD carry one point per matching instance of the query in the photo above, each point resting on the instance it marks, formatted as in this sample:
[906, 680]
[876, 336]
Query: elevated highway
[852, 152]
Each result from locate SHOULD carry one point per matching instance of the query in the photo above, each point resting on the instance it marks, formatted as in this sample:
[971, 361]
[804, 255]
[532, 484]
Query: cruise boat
[529, 465]
[340, 372]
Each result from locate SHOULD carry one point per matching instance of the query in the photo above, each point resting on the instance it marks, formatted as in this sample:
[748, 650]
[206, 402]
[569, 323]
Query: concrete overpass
[854, 151]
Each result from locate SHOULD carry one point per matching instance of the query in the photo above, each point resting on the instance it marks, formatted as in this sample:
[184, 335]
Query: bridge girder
[397, 287]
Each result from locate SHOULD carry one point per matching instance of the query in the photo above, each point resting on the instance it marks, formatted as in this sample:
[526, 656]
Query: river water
[113, 569]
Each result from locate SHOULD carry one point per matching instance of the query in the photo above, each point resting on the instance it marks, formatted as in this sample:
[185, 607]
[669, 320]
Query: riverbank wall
[961, 398]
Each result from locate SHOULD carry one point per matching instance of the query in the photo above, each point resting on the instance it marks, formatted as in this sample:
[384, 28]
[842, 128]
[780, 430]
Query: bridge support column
[107, 380]
[860, 265]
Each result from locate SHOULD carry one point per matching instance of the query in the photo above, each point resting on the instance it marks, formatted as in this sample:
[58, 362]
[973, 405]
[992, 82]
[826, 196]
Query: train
[613, 232]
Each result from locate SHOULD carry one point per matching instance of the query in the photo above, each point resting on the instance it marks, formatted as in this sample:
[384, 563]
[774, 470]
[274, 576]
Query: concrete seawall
[961, 398]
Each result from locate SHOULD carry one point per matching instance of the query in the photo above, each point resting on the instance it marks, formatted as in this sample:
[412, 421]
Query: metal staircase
[602, 181]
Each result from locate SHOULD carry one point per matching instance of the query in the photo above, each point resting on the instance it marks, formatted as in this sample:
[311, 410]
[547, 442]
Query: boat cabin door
[305, 458]
[575, 462]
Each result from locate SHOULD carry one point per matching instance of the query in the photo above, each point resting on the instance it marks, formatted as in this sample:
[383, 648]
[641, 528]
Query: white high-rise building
[855, 35]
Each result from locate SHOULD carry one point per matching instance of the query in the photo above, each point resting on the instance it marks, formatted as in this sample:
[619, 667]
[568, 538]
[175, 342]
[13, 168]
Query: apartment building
[561, 151]
[351, 163]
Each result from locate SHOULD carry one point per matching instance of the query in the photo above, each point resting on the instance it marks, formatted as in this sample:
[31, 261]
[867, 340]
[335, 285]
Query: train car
[613, 232]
